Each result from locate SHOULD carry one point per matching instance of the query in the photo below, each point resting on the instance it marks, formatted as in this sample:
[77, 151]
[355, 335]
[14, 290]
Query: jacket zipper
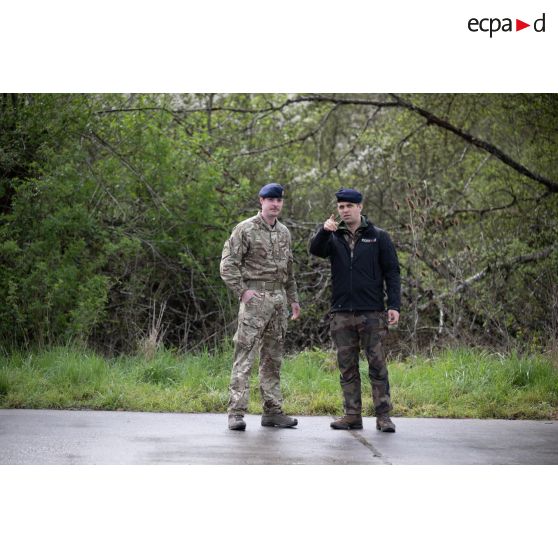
[351, 279]
[351, 269]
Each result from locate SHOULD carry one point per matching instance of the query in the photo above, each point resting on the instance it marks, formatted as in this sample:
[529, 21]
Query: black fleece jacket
[359, 277]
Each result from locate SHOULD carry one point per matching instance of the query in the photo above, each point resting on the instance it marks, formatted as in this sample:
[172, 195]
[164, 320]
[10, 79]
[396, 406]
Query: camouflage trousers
[262, 325]
[352, 331]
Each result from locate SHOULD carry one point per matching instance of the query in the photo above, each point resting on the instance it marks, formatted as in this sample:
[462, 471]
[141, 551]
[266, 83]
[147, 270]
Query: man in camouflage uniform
[363, 261]
[257, 265]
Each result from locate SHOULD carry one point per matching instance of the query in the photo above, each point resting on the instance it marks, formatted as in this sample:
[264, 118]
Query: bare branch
[299, 139]
[435, 120]
[491, 268]
[484, 145]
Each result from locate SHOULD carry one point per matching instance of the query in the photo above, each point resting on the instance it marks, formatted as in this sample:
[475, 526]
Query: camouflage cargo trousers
[262, 325]
[352, 331]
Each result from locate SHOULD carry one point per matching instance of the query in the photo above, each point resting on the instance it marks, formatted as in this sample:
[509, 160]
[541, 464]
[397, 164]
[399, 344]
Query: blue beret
[272, 190]
[348, 195]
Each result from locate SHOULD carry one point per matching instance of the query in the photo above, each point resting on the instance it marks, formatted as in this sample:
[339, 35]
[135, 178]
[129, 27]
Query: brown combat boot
[279, 420]
[236, 422]
[383, 423]
[348, 422]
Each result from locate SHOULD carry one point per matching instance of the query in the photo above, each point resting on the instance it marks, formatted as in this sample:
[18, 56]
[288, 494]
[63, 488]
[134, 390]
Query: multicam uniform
[259, 257]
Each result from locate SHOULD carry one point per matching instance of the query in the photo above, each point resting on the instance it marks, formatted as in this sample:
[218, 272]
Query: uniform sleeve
[290, 286]
[234, 250]
[390, 270]
[320, 243]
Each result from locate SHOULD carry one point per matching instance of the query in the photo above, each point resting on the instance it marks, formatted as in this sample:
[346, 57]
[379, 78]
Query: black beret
[348, 195]
[272, 190]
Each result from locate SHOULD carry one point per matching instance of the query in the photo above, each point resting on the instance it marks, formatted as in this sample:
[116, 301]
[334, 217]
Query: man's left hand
[295, 306]
[393, 317]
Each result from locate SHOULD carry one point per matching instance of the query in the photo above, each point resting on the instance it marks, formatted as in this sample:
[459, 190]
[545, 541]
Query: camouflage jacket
[257, 252]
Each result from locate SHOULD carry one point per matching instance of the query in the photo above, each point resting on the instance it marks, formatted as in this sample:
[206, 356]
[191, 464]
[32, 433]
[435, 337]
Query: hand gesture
[330, 225]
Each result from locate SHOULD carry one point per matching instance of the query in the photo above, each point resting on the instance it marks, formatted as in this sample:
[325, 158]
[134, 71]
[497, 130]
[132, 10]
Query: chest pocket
[274, 241]
[261, 247]
[367, 256]
[283, 246]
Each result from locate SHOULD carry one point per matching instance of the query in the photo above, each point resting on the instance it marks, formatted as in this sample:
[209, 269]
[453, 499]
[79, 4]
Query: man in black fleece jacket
[364, 269]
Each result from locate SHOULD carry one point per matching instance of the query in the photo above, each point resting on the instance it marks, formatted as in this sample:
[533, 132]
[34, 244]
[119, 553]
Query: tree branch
[435, 120]
[518, 260]
[300, 139]
[484, 145]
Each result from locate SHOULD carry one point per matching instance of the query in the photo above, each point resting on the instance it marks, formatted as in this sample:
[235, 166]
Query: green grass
[455, 383]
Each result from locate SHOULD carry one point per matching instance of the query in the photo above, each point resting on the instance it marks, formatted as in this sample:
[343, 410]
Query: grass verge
[456, 383]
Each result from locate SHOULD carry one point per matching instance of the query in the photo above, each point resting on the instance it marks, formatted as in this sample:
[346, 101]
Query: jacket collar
[364, 224]
[262, 222]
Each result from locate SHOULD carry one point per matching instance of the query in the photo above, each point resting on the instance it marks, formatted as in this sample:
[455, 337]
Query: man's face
[271, 207]
[349, 212]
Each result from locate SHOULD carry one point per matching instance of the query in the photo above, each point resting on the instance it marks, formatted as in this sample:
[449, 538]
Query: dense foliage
[114, 209]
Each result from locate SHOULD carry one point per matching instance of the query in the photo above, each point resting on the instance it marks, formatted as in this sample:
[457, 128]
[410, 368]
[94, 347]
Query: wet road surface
[110, 437]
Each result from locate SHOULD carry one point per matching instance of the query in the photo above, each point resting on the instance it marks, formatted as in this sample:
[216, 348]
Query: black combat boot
[236, 422]
[280, 420]
[383, 423]
[348, 422]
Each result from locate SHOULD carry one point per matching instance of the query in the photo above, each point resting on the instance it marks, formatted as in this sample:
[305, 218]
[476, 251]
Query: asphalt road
[104, 437]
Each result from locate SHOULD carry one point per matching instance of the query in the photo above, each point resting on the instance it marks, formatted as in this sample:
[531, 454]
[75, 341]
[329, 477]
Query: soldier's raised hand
[330, 225]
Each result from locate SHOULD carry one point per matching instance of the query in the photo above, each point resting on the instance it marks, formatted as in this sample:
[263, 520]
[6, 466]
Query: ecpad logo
[493, 25]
